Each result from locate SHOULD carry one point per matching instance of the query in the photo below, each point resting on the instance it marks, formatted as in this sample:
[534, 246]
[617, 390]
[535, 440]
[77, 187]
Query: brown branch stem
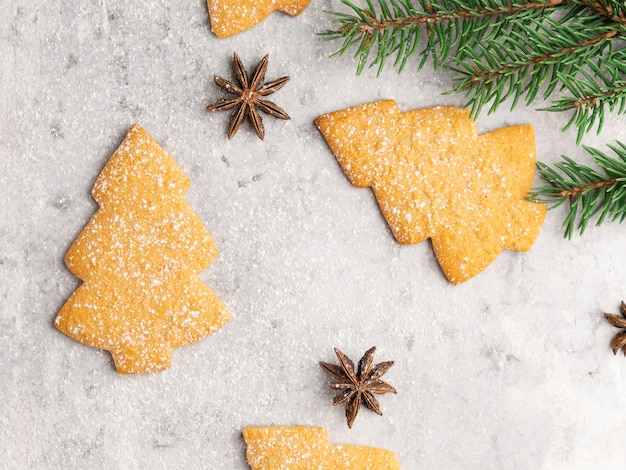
[591, 100]
[608, 12]
[578, 190]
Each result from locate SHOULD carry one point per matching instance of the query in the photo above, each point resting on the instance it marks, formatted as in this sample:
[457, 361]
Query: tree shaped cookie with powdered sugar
[139, 258]
[435, 177]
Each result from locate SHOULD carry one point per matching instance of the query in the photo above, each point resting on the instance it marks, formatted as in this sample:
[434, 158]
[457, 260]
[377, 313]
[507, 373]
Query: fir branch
[532, 56]
[601, 87]
[502, 49]
[448, 24]
[587, 191]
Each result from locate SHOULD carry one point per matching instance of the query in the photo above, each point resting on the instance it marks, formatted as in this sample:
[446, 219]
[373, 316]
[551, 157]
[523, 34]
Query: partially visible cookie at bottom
[230, 17]
[306, 448]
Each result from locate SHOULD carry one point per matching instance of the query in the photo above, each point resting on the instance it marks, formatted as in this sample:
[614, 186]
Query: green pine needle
[587, 191]
[501, 49]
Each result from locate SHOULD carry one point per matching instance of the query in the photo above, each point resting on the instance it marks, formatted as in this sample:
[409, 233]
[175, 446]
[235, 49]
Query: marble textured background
[511, 370]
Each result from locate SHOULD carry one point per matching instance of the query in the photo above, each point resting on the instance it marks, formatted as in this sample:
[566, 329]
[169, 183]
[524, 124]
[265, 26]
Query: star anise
[619, 340]
[248, 97]
[360, 385]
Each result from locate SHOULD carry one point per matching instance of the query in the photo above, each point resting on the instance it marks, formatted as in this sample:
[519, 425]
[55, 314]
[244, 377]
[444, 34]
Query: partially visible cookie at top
[435, 177]
[230, 17]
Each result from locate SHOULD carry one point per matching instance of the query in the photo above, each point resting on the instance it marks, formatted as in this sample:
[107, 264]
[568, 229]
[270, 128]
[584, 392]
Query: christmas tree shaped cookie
[139, 258]
[435, 177]
[306, 448]
[229, 17]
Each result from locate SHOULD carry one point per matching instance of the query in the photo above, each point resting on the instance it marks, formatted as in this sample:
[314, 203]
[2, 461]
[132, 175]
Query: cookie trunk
[142, 361]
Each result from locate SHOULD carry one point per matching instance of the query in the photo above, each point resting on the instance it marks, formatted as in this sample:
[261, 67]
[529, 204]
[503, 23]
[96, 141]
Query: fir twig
[502, 48]
[599, 88]
[587, 191]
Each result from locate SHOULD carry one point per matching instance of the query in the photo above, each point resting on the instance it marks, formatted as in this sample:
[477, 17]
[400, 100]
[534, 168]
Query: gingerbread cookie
[305, 448]
[230, 17]
[435, 177]
[139, 257]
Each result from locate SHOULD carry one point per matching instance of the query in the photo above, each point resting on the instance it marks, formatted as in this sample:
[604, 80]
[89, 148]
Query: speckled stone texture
[510, 370]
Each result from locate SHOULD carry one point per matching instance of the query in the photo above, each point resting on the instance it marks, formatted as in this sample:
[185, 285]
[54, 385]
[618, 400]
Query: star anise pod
[358, 386]
[619, 340]
[248, 97]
